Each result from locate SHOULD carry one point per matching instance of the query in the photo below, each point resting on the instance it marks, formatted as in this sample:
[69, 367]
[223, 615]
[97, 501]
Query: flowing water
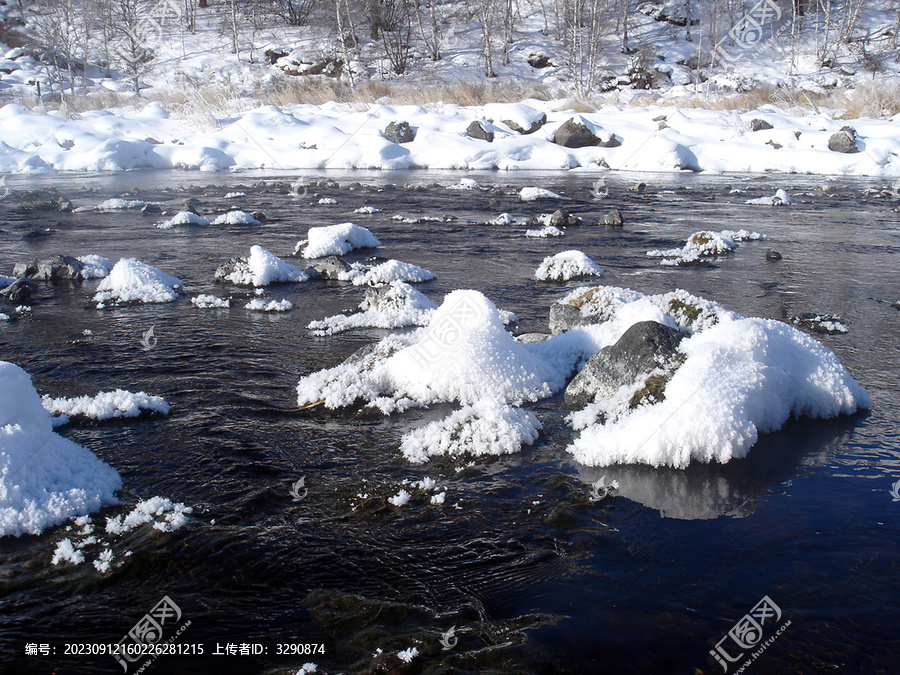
[532, 575]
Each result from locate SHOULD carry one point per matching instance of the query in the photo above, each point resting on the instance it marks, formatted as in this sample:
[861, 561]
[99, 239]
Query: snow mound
[487, 427]
[778, 199]
[210, 301]
[567, 265]
[327, 200]
[95, 266]
[336, 240]
[533, 194]
[369, 210]
[502, 219]
[183, 218]
[262, 268]
[130, 280]
[704, 244]
[385, 273]
[44, 478]
[464, 355]
[106, 405]
[740, 377]
[120, 205]
[258, 305]
[398, 306]
[235, 218]
[544, 232]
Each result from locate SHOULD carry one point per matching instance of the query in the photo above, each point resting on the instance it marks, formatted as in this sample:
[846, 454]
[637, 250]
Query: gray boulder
[564, 316]
[641, 349]
[612, 219]
[399, 132]
[562, 218]
[759, 125]
[57, 268]
[519, 129]
[330, 267]
[573, 133]
[20, 290]
[232, 265]
[39, 200]
[477, 129]
[843, 141]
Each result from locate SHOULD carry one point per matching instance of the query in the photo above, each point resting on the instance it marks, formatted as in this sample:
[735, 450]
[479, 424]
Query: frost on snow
[735, 378]
[335, 240]
[398, 306]
[389, 271]
[407, 655]
[703, 245]
[166, 516]
[544, 232]
[489, 427]
[262, 268]
[44, 478]
[95, 266]
[131, 280]
[259, 305]
[400, 499]
[567, 265]
[106, 405]
[207, 301]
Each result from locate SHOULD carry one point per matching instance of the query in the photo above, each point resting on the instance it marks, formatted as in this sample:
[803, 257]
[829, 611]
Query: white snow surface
[336, 240]
[106, 404]
[235, 218]
[703, 245]
[487, 427]
[387, 272]
[131, 280]
[739, 377]
[567, 265]
[533, 194]
[398, 306]
[95, 266]
[260, 305]
[183, 218]
[44, 478]
[544, 232]
[206, 301]
[262, 268]
[348, 136]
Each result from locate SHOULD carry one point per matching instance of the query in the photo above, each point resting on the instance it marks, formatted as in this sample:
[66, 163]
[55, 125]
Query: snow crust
[567, 265]
[131, 280]
[336, 240]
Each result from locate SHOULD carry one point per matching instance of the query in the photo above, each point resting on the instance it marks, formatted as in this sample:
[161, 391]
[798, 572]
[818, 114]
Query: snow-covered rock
[260, 268]
[567, 265]
[131, 280]
[44, 478]
[335, 240]
[106, 405]
[393, 306]
[704, 244]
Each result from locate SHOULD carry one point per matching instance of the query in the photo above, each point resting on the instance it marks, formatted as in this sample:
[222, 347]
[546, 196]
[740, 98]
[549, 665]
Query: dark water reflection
[534, 576]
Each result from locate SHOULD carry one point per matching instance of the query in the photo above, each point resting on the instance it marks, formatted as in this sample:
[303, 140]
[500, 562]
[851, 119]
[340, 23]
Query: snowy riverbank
[349, 136]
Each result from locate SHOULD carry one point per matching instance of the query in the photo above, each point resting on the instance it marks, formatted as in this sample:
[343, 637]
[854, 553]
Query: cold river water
[531, 575]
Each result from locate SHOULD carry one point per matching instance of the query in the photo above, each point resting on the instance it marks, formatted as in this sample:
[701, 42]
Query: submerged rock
[40, 200]
[57, 268]
[612, 219]
[20, 290]
[642, 349]
[331, 267]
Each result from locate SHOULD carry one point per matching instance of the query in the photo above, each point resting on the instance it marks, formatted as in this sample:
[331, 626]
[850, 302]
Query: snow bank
[398, 306]
[488, 427]
[336, 240]
[704, 245]
[44, 478]
[106, 405]
[567, 265]
[131, 280]
[262, 268]
[387, 272]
